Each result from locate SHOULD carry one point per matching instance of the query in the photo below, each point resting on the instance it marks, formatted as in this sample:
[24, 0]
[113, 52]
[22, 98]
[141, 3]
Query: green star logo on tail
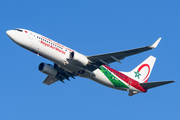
[137, 74]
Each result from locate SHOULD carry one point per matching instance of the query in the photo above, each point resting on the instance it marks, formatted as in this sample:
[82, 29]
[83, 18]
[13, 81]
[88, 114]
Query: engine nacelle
[78, 58]
[47, 69]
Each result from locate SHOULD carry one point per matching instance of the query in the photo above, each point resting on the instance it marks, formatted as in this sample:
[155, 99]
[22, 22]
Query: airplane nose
[9, 33]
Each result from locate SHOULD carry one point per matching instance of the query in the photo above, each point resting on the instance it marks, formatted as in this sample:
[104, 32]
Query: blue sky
[91, 27]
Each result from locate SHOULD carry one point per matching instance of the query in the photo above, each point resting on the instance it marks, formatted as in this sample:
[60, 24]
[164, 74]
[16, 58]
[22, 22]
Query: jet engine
[78, 58]
[48, 69]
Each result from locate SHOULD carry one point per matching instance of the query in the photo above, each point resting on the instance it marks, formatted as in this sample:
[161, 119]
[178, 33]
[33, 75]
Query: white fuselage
[58, 54]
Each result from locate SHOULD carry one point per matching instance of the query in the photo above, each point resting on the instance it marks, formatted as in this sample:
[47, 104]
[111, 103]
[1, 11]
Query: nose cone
[10, 33]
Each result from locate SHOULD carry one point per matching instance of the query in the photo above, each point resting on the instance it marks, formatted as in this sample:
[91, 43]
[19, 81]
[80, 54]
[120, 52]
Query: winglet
[155, 44]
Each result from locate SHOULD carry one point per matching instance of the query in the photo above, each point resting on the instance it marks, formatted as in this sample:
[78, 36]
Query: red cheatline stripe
[126, 79]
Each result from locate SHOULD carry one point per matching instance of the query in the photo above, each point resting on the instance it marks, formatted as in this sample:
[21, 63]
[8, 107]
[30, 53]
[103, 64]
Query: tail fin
[142, 72]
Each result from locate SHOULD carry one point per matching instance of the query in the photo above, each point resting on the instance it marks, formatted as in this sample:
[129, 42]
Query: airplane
[69, 63]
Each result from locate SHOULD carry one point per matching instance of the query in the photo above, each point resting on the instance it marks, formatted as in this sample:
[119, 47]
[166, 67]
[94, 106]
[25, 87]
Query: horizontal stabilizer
[149, 85]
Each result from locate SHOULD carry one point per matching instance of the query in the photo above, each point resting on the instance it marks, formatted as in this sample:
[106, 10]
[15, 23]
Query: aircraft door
[129, 82]
[67, 56]
[31, 35]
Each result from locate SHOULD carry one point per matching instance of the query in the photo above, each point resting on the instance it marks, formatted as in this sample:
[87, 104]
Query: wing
[61, 76]
[98, 60]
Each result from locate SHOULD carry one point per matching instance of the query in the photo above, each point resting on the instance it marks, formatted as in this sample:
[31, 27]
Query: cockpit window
[19, 30]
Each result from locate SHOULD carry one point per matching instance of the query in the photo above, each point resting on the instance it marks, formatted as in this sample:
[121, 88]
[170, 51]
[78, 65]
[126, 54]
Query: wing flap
[50, 80]
[149, 85]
